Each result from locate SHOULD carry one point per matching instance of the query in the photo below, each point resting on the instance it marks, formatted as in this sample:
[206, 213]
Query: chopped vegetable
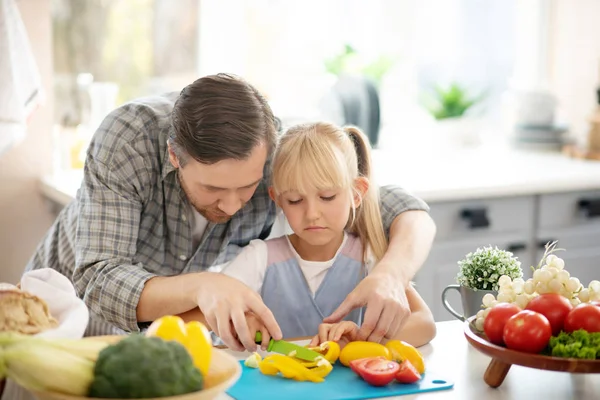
[253, 360]
[330, 350]
[288, 368]
[401, 351]
[577, 344]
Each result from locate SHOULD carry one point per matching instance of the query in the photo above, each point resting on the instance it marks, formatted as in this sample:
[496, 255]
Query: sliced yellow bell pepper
[323, 367]
[330, 350]
[289, 368]
[401, 351]
[194, 336]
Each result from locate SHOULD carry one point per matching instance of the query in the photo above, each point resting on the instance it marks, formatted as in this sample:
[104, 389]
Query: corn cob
[44, 364]
[87, 348]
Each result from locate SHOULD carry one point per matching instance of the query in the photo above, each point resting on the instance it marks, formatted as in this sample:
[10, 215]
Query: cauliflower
[144, 367]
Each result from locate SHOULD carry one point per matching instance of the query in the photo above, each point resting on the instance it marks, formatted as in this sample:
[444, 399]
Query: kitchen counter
[451, 356]
[443, 174]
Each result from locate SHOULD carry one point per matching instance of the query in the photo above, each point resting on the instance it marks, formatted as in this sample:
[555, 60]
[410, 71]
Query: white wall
[575, 59]
[24, 217]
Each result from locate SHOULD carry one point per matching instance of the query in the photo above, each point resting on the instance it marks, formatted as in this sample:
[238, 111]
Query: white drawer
[468, 219]
[563, 210]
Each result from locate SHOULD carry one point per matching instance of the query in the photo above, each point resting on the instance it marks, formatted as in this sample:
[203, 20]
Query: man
[176, 184]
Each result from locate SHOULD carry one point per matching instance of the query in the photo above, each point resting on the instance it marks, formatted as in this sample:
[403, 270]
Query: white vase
[460, 131]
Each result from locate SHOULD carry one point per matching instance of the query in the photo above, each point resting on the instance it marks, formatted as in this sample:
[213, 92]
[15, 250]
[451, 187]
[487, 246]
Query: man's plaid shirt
[130, 220]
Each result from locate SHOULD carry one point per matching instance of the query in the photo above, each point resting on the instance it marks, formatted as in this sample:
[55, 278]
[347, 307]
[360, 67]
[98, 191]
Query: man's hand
[342, 332]
[256, 325]
[386, 302]
[225, 302]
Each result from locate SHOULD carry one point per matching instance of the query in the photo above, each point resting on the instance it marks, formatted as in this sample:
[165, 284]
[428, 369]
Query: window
[107, 52]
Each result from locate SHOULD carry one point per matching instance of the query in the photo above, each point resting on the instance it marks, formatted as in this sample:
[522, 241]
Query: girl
[322, 182]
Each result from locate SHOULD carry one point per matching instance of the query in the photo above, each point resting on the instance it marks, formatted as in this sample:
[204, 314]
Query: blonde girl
[322, 181]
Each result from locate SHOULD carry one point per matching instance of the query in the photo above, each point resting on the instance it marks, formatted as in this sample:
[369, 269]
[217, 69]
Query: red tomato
[493, 325]
[527, 331]
[376, 371]
[407, 373]
[585, 316]
[552, 306]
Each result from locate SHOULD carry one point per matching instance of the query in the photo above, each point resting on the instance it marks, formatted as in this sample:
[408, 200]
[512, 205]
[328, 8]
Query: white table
[451, 356]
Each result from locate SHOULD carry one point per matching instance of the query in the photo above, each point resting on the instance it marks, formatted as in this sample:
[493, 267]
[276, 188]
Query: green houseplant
[453, 110]
[453, 102]
[348, 60]
[479, 273]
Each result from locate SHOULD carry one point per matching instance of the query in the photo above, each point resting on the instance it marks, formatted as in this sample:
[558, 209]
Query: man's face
[220, 190]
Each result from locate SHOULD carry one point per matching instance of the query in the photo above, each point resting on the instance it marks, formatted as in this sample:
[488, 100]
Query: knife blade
[283, 347]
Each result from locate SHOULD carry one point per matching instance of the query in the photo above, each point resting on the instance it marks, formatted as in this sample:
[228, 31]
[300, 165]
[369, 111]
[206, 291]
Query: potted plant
[479, 274]
[452, 109]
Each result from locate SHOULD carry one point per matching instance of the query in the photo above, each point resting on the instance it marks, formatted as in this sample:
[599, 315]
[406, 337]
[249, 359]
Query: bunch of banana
[45, 364]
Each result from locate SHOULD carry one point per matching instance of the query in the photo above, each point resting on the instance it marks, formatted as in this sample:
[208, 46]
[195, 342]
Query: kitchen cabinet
[574, 220]
[523, 225]
[462, 227]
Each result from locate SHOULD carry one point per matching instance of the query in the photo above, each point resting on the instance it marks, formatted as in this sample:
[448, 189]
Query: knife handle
[258, 340]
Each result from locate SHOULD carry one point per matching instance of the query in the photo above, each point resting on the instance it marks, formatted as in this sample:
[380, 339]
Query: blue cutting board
[340, 384]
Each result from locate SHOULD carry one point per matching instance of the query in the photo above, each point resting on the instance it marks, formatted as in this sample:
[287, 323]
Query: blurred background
[467, 102]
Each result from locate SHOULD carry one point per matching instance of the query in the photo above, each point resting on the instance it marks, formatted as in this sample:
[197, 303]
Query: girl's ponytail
[367, 223]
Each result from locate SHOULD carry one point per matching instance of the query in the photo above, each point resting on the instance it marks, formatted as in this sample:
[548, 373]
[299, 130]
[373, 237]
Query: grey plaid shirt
[130, 222]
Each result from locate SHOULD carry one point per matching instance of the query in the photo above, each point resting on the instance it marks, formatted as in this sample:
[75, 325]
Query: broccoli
[144, 367]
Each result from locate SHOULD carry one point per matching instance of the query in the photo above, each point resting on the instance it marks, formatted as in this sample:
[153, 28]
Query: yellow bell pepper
[361, 349]
[194, 336]
[401, 351]
[290, 368]
[199, 343]
[330, 350]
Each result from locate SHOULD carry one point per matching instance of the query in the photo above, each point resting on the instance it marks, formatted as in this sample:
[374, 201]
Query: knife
[283, 347]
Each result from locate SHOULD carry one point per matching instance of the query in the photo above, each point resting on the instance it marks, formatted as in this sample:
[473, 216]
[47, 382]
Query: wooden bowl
[503, 358]
[224, 371]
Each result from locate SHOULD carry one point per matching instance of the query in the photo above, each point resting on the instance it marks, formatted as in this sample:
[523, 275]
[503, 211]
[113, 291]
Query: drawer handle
[477, 217]
[591, 207]
[516, 247]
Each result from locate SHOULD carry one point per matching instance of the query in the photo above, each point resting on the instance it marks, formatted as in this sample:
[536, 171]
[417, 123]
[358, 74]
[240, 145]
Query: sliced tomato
[407, 373]
[354, 364]
[376, 371]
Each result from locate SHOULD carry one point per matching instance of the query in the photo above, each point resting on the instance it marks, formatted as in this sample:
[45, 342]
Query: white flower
[482, 269]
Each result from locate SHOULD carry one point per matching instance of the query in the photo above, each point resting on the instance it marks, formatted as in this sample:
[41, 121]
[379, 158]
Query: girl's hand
[341, 332]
